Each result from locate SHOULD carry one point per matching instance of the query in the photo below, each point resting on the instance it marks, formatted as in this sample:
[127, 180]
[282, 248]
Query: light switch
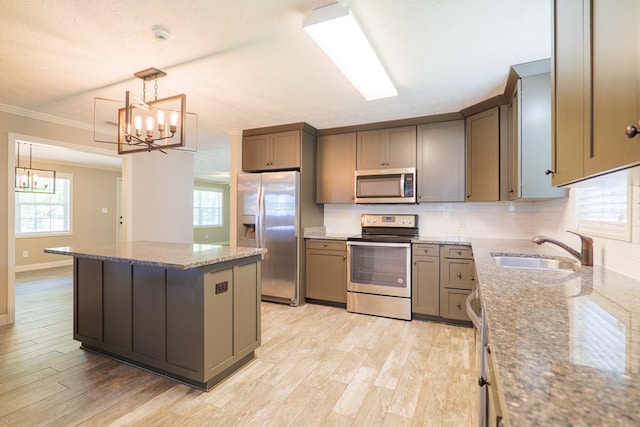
[105, 210]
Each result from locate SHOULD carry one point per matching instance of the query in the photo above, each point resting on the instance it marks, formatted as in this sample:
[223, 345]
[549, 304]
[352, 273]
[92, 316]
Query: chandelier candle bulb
[138, 125]
[160, 117]
[150, 127]
[174, 121]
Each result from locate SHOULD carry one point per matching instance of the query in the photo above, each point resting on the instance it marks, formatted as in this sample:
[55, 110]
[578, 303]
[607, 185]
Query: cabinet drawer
[453, 304]
[426, 250]
[451, 251]
[459, 274]
[330, 245]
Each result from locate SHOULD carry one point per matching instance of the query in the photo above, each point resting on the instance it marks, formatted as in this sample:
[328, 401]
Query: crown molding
[23, 112]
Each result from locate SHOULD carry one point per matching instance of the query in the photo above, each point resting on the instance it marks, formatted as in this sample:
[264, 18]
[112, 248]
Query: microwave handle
[402, 175]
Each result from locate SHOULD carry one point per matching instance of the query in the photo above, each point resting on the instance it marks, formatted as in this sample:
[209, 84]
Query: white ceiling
[248, 63]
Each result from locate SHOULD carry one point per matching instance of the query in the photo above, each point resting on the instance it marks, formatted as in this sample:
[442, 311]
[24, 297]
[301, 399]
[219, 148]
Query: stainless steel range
[379, 266]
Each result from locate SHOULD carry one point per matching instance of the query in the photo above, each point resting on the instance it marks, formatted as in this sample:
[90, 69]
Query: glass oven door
[379, 268]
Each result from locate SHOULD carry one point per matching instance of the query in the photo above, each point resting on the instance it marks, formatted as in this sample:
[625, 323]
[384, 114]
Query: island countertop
[566, 344]
[180, 256]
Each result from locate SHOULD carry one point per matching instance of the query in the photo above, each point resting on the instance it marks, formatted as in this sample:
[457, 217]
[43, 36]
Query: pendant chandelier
[145, 125]
[151, 125]
[31, 180]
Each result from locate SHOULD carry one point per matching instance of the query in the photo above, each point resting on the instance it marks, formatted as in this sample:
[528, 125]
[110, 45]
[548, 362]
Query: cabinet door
[246, 308]
[88, 295]
[326, 275]
[218, 318]
[425, 298]
[255, 153]
[483, 156]
[515, 142]
[149, 311]
[285, 150]
[458, 274]
[117, 304]
[614, 81]
[400, 150]
[570, 88]
[371, 150]
[336, 164]
[453, 304]
[441, 163]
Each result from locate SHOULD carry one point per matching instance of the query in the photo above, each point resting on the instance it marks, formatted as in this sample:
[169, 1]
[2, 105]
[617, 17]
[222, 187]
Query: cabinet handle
[415, 262]
[632, 131]
[325, 245]
[468, 196]
[511, 190]
[459, 275]
[426, 250]
[549, 172]
[473, 278]
[344, 257]
[459, 252]
[459, 306]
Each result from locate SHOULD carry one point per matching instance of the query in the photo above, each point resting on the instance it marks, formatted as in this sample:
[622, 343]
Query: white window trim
[621, 232]
[218, 190]
[60, 175]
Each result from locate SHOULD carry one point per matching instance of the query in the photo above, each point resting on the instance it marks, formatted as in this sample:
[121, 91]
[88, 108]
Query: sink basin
[534, 262]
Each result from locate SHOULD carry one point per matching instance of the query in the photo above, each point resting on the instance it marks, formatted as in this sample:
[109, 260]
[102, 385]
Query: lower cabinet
[425, 276]
[457, 280]
[198, 325]
[326, 275]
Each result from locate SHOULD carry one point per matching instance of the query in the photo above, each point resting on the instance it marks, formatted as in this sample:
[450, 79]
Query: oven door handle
[385, 244]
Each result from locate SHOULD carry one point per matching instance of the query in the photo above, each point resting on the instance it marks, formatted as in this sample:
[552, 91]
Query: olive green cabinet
[483, 156]
[197, 325]
[275, 151]
[425, 290]
[596, 74]
[457, 280]
[326, 270]
[336, 164]
[530, 134]
[386, 148]
[441, 162]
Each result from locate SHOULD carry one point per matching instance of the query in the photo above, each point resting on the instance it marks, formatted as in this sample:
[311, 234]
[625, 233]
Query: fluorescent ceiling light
[336, 31]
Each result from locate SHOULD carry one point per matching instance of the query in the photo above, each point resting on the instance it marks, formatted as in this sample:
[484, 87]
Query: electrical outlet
[222, 287]
[25, 254]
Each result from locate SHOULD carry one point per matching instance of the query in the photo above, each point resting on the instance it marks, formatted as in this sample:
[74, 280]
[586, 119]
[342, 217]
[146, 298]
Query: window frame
[220, 191]
[59, 176]
[605, 229]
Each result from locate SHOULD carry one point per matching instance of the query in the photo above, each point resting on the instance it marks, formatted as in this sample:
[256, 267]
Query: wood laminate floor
[317, 366]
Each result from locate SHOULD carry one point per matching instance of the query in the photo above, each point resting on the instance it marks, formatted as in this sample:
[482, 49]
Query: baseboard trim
[43, 265]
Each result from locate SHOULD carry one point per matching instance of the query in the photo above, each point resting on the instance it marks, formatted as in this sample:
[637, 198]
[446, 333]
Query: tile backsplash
[516, 220]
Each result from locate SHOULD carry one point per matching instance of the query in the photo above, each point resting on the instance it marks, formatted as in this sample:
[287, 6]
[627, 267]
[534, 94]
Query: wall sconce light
[31, 180]
[338, 34]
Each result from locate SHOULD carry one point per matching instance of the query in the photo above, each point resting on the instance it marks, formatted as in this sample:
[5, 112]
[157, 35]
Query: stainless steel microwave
[386, 186]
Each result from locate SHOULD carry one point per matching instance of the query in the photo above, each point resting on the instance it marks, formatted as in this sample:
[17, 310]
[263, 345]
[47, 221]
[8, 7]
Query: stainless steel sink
[534, 262]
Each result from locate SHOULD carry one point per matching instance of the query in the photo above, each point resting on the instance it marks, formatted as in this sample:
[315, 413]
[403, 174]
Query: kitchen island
[565, 344]
[189, 312]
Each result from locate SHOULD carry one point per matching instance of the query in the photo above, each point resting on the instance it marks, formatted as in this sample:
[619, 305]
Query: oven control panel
[383, 220]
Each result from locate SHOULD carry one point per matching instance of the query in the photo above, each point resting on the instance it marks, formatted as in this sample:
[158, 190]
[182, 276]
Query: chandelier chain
[144, 91]
[155, 86]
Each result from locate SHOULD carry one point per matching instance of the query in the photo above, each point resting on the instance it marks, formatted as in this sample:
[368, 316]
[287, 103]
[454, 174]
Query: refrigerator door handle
[260, 218]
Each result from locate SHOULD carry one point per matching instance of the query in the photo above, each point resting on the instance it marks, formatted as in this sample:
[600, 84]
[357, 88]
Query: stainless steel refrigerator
[269, 217]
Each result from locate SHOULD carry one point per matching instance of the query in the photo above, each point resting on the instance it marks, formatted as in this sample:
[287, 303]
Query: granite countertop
[180, 256]
[566, 344]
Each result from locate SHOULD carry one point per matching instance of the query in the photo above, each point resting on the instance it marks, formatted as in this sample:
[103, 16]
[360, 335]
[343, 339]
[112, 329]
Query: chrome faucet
[585, 257]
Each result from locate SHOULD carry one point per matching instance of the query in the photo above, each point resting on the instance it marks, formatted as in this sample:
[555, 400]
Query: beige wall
[92, 190]
[38, 128]
[217, 235]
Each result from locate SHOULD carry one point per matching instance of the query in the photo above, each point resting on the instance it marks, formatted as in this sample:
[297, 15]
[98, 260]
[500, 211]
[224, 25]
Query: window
[603, 206]
[207, 207]
[38, 213]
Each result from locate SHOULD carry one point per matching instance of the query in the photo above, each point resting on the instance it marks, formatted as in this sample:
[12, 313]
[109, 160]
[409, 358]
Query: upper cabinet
[276, 151]
[596, 87]
[441, 162]
[336, 164]
[483, 156]
[529, 156]
[386, 148]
